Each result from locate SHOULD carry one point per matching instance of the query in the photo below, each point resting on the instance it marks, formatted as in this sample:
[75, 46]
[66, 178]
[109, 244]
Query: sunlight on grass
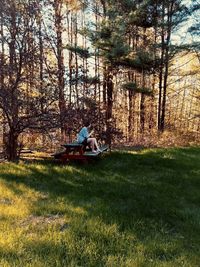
[15, 204]
[129, 209]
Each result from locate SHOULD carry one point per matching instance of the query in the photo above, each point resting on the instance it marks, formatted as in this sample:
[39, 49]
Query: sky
[182, 36]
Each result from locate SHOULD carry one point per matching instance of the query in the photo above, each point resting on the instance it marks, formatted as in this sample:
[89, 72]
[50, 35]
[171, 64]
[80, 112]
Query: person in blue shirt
[84, 137]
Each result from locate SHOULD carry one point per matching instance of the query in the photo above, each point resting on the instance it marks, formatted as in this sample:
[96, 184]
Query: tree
[20, 112]
[172, 14]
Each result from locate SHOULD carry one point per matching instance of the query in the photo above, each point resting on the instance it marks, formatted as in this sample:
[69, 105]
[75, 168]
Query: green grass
[128, 209]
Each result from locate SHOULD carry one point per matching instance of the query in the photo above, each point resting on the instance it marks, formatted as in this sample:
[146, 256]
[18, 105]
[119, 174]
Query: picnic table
[77, 151]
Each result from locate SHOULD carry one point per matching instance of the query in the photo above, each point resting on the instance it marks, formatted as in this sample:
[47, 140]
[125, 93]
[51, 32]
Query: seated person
[85, 139]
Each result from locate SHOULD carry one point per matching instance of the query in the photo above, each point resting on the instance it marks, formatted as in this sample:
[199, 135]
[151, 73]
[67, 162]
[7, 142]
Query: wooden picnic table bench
[76, 151]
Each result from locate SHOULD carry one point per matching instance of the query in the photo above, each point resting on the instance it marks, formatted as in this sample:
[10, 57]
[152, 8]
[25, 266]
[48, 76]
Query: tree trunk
[12, 145]
[142, 106]
[76, 62]
[161, 69]
[166, 63]
[142, 113]
[2, 77]
[109, 97]
[109, 85]
[60, 62]
[130, 116]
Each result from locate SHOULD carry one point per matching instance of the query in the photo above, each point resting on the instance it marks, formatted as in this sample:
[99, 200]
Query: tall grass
[128, 209]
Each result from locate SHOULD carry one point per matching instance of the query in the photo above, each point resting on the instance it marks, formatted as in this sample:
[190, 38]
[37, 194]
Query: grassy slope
[129, 209]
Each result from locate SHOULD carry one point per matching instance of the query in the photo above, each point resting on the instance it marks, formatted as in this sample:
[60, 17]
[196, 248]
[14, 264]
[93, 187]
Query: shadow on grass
[148, 193]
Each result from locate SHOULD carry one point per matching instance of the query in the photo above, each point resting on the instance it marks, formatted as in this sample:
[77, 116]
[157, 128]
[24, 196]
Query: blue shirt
[82, 135]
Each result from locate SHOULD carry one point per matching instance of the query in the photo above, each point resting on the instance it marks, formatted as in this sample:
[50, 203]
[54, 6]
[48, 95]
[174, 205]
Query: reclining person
[85, 139]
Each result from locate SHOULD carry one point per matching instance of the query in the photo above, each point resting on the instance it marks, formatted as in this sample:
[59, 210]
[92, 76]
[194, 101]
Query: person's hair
[87, 123]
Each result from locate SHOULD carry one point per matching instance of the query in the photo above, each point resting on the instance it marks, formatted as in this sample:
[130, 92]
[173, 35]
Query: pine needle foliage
[129, 86]
[82, 52]
[133, 87]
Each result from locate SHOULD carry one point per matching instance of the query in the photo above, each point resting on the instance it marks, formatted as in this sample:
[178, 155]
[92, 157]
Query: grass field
[128, 209]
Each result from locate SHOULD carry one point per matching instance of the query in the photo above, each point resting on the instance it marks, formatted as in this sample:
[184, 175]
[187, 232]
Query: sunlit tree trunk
[12, 142]
[2, 77]
[58, 4]
[161, 65]
[166, 41]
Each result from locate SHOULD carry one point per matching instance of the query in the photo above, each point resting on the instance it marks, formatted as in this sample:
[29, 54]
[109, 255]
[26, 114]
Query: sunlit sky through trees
[181, 35]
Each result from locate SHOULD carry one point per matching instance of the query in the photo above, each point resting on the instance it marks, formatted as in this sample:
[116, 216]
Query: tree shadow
[142, 193]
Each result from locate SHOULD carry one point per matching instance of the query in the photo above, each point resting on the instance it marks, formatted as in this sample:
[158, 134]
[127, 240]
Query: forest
[131, 69]
[129, 66]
